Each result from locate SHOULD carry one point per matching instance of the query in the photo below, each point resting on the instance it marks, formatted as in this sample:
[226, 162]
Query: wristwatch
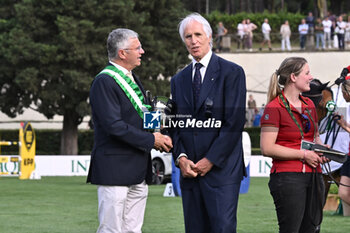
[178, 159]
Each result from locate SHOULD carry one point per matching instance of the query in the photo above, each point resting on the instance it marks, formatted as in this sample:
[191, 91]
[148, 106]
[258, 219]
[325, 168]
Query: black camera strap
[327, 167]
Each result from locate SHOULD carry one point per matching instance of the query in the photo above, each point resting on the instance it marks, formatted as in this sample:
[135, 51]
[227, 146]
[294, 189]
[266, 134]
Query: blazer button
[195, 134]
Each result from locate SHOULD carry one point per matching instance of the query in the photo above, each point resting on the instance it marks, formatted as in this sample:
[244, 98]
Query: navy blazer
[121, 152]
[224, 85]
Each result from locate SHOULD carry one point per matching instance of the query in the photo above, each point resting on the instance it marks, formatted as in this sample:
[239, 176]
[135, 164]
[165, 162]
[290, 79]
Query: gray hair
[200, 19]
[119, 39]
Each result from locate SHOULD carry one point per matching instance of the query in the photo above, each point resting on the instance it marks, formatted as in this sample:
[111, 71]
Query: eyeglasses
[139, 48]
[306, 123]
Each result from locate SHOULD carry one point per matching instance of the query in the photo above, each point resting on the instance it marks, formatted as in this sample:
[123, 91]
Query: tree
[165, 53]
[51, 51]
[229, 6]
[322, 7]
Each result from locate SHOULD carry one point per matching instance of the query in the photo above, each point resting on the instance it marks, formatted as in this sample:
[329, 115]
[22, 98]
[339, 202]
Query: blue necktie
[197, 82]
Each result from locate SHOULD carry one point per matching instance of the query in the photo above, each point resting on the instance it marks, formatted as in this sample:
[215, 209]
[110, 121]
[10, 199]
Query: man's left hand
[203, 166]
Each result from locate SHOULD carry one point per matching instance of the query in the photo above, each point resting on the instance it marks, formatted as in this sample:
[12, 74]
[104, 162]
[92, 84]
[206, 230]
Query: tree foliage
[52, 49]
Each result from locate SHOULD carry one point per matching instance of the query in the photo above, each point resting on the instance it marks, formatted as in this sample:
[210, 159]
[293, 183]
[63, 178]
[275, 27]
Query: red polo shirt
[276, 115]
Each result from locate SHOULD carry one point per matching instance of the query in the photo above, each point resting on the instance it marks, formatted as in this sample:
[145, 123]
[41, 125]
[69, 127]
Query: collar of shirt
[125, 71]
[304, 103]
[205, 62]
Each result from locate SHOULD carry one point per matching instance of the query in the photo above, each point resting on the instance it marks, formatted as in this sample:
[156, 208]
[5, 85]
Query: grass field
[68, 205]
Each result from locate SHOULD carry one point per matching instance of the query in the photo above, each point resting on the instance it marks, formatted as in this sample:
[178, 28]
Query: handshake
[162, 142]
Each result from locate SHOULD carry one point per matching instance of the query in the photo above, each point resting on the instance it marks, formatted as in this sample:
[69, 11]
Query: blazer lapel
[211, 75]
[138, 83]
[187, 85]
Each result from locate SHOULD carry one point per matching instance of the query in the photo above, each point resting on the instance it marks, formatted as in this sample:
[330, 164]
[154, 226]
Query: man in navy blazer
[208, 145]
[121, 160]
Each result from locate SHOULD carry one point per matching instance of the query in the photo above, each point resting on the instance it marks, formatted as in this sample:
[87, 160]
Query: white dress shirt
[125, 71]
[205, 62]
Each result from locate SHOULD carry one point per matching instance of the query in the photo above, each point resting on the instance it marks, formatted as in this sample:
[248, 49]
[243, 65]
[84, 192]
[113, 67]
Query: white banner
[62, 165]
[260, 166]
[65, 165]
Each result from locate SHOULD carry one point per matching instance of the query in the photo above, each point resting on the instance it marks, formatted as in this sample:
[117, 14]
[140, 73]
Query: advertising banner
[9, 165]
[65, 165]
[27, 150]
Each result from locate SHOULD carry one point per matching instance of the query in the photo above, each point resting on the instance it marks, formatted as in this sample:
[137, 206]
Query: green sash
[131, 89]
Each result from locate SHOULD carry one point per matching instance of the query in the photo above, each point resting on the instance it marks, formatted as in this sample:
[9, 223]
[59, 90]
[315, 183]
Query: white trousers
[121, 209]
[285, 42]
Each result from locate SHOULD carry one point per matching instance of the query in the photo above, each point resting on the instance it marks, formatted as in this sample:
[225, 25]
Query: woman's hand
[341, 122]
[312, 158]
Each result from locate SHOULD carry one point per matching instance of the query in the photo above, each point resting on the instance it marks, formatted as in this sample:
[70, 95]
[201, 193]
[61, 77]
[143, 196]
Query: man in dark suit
[208, 147]
[121, 160]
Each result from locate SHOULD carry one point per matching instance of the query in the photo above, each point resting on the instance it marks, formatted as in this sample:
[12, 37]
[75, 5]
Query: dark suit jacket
[224, 84]
[121, 152]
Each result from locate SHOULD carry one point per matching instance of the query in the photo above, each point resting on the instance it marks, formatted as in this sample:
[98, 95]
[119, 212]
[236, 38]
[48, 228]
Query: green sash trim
[131, 89]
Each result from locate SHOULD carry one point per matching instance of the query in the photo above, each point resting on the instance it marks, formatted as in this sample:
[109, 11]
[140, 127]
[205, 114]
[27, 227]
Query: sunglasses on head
[306, 123]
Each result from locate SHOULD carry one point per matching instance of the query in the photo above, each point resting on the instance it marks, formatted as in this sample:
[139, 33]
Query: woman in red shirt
[296, 183]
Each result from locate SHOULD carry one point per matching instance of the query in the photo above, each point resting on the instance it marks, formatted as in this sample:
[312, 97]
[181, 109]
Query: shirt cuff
[178, 159]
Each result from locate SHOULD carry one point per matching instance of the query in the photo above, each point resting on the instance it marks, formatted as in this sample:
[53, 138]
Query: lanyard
[295, 120]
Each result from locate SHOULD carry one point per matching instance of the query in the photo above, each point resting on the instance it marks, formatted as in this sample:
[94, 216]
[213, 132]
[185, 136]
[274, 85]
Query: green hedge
[254, 134]
[47, 141]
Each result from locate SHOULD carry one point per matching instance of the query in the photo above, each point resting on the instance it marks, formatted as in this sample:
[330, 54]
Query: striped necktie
[197, 82]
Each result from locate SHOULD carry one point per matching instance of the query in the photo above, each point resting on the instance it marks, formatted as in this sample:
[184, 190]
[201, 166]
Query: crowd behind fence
[230, 43]
[329, 33]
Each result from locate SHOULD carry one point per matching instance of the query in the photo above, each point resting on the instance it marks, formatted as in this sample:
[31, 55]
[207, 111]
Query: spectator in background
[331, 16]
[261, 111]
[257, 117]
[251, 110]
[285, 34]
[241, 36]
[310, 37]
[266, 29]
[221, 31]
[347, 33]
[333, 19]
[334, 36]
[303, 29]
[319, 34]
[249, 32]
[334, 39]
[327, 25]
[310, 20]
[340, 30]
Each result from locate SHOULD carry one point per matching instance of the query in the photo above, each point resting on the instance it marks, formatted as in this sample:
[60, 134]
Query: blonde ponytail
[274, 88]
[281, 78]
